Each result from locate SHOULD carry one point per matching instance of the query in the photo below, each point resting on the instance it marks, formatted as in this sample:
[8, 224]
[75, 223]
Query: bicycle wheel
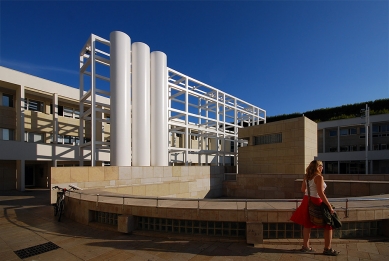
[60, 211]
[55, 209]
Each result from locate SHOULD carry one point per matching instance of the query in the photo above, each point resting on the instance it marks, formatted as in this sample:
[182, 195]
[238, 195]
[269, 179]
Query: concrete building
[170, 119]
[278, 147]
[347, 146]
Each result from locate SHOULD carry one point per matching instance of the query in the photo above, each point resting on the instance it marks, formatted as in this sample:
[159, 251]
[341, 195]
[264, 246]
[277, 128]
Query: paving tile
[367, 247]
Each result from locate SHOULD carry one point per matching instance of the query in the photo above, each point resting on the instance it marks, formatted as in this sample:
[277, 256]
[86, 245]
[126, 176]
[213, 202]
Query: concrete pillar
[55, 129]
[120, 80]
[21, 175]
[126, 223]
[140, 104]
[254, 232]
[20, 95]
[158, 110]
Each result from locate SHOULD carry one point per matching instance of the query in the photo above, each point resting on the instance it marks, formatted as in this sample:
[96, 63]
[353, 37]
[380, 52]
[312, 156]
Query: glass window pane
[38, 137]
[7, 100]
[35, 105]
[68, 112]
[343, 132]
[60, 110]
[68, 140]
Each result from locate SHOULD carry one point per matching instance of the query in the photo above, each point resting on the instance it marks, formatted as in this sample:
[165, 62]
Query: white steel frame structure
[93, 57]
[213, 116]
[194, 110]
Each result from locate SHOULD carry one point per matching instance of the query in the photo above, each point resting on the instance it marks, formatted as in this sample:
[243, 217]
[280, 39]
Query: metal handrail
[198, 200]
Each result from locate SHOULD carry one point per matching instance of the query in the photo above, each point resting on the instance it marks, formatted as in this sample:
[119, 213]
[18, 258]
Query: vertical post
[93, 102]
[55, 128]
[186, 142]
[367, 123]
[81, 108]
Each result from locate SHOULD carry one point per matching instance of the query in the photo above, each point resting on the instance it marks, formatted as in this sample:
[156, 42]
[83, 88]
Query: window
[376, 147]
[333, 133]
[68, 112]
[344, 132]
[268, 139]
[383, 147]
[60, 110]
[333, 149]
[68, 140]
[362, 147]
[353, 148]
[33, 137]
[33, 105]
[353, 131]
[6, 134]
[77, 115]
[344, 148]
[376, 128]
[7, 100]
[362, 130]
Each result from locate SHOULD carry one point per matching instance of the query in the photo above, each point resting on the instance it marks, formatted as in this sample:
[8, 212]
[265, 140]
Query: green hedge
[336, 113]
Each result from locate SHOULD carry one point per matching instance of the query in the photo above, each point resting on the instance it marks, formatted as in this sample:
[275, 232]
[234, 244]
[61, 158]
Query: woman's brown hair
[311, 170]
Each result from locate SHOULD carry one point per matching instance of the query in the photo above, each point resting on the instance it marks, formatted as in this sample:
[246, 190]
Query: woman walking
[314, 179]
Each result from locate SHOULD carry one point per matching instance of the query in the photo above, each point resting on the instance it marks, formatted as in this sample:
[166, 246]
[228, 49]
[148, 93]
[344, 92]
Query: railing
[198, 200]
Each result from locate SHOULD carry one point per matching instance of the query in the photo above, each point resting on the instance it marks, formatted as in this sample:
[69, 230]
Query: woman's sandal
[331, 252]
[307, 249]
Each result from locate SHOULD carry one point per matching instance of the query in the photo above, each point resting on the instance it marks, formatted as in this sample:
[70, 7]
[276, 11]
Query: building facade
[347, 146]
[44, 124]
[282, 147]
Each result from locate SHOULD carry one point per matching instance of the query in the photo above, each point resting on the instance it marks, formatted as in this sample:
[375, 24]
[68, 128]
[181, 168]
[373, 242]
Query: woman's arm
[303, 186]
[319, 181]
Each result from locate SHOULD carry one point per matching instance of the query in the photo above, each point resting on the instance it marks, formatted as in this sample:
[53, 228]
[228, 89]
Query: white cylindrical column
[140, 104]
[158, 109]
[120, 80]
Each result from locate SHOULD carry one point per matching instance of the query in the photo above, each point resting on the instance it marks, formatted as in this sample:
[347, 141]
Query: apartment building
[39, 127]
[346, 147]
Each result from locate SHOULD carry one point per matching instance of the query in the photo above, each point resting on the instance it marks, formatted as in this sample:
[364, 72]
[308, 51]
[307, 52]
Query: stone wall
[288, 186]
[172, 181]
[292, 155]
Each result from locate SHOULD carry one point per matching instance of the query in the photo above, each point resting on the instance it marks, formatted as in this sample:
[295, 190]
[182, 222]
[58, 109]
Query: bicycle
[59, 206]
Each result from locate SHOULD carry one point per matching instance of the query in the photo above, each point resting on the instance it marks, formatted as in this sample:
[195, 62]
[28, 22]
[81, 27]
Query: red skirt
[301, 215]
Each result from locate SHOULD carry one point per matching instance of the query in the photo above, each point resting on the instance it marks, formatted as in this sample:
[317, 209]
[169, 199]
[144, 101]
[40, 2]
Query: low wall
[171, 181]
[281, 186]
[83, 210]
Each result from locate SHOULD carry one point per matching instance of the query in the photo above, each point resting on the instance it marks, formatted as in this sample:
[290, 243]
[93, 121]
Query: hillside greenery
[380, 106]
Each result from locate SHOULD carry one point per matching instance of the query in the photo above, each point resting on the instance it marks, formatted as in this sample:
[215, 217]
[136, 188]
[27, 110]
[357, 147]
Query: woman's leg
[327, 238]
[306, 235]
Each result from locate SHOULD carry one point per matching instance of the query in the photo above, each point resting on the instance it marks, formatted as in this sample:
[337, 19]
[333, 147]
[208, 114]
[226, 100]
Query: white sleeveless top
[312, 188]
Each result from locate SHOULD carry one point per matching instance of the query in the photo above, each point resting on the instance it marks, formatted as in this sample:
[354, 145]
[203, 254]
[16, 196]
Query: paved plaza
[27, 221]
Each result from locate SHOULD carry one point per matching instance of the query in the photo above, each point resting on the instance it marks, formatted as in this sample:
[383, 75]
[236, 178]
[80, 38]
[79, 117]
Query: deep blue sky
[283, 56]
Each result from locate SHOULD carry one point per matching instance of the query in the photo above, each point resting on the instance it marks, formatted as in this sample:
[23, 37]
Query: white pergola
[195, 111]
[199, 110]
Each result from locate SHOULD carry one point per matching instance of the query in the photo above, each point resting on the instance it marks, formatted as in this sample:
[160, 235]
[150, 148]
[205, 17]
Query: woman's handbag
[315, 211]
